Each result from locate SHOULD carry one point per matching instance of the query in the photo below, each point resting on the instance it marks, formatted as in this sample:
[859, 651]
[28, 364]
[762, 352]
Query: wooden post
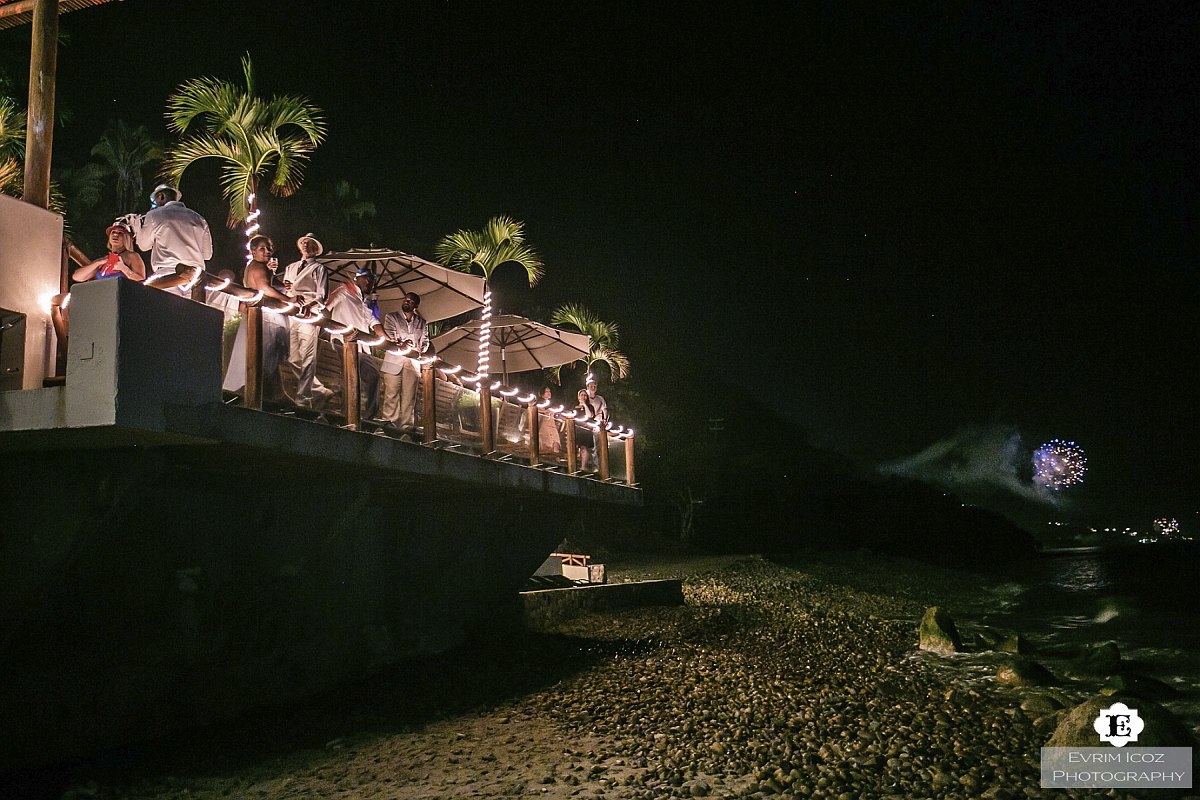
[629, 479]
[487, 431]
[350, 382]
[572, 448]
[429, 400]
[252, 397]
[59, 319]
[39, 132]
[602, 451]
[199, 294]
[532, 421]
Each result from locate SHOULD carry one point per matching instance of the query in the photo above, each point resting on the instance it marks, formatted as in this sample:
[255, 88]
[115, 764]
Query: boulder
[1162, 729]
[1096, 661]
[1129, 682]
[1021, 671]
[1005, 641]
[938, 633]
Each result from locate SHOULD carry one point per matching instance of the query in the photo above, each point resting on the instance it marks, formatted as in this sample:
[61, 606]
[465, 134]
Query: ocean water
[1146, 599]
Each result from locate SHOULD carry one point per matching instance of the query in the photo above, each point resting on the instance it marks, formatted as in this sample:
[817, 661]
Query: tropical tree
[501, 241]
[347, 217]
[12, 147]
[126, 152]
[253, 138]
[604, 336]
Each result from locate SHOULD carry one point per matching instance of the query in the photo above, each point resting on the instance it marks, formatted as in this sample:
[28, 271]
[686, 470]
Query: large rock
[1096, 661]
[1005, 641]
[938, 633]
[1019, 671]
[1162, 729]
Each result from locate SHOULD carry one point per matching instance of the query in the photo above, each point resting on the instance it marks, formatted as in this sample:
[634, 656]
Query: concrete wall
[163, 349]
[30, 264]
[150, 589]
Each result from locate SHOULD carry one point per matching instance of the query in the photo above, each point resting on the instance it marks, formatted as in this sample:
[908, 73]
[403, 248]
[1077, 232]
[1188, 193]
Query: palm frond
[501, 241]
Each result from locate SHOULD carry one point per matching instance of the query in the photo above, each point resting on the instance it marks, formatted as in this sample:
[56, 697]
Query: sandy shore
[772, 681]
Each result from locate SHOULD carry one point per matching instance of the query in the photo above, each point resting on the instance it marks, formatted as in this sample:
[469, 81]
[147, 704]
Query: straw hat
[316, 241]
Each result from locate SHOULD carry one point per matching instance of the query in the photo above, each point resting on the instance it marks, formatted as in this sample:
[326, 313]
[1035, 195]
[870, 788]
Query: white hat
[316, 241]
[178, 194]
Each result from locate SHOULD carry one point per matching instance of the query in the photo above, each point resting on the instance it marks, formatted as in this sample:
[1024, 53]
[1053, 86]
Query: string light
[485, 332]
[618, 432]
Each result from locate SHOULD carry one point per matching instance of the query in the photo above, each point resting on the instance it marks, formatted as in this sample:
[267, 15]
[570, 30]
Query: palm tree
[501, 241]
[12, 147]
[126, 152]
[250, 135]
[605, 339]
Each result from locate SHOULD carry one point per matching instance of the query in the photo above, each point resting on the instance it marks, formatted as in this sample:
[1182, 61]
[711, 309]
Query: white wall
[30, 260]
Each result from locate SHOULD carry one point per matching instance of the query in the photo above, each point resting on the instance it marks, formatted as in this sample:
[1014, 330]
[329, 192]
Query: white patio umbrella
[444, 292]
[518, 345]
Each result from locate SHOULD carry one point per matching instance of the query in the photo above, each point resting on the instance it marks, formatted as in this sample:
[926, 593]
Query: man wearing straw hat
[307, 281]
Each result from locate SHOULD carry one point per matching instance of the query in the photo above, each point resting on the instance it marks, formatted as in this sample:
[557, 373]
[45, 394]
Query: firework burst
[1058, 464]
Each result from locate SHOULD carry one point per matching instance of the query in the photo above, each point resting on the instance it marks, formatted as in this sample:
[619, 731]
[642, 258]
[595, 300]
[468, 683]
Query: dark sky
[898, 225]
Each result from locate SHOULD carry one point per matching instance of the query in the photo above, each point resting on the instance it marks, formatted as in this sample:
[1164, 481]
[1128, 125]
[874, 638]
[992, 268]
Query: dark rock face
[1162, 729]
[938, 633]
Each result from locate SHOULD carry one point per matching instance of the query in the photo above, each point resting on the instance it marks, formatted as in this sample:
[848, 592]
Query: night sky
[904, 227]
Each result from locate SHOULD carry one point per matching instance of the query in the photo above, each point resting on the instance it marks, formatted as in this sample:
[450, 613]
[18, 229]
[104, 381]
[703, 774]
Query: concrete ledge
[545, 608]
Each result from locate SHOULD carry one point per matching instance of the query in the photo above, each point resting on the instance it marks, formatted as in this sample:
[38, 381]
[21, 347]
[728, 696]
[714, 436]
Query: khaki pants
[302, 358]
[400, 395]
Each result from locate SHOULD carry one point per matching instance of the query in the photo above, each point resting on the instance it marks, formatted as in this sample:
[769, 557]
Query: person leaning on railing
[173, 234]
[274, 327]
[121, 261]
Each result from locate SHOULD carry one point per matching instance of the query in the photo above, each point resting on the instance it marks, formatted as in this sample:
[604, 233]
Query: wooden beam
[429, 401]
[252, 394]
[39, 131]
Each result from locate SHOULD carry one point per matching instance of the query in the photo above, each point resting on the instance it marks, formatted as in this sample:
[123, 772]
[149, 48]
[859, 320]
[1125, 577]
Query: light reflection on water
[1081, 575]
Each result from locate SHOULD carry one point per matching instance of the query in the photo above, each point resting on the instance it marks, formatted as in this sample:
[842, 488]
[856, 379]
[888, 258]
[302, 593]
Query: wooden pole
[429, 399]
[252, 397]
[629, 478]
[39, 132]
[532, 421]
[487, 431]
[572, 448]
[199, 293]
[350, 383]
[602, 451]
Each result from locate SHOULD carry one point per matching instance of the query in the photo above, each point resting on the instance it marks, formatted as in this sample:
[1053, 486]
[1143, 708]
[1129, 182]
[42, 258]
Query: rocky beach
[794, 679]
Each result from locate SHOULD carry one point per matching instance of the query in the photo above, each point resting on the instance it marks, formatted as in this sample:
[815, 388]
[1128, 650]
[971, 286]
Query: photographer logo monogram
[1118, 724]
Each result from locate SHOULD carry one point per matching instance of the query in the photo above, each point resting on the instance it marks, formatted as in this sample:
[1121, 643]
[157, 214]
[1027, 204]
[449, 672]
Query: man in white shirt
[348, 306]
[597, 401]
[401, 375]
[308, 282]
[172, 233]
